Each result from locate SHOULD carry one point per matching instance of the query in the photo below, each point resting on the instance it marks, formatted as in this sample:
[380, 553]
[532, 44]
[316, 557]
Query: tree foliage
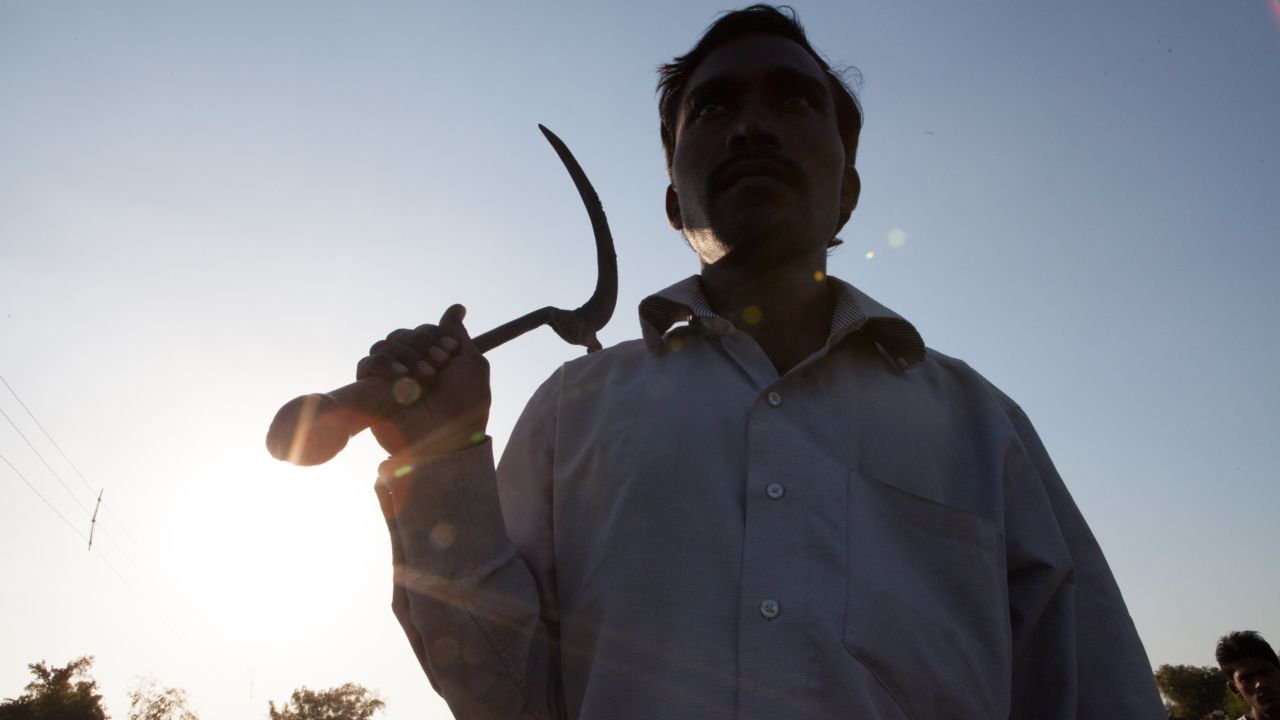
[1191, 692]
[57, 693]
[148, 700]
[1235, 705]
[347, 702]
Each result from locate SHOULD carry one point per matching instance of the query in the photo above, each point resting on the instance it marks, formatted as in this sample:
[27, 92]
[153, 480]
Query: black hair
[673, 77]
[1243, 645]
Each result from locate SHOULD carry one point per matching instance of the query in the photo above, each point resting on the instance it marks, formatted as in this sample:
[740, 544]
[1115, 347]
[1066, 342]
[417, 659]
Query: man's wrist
[445, 510]
[435, 447]
[409, 461]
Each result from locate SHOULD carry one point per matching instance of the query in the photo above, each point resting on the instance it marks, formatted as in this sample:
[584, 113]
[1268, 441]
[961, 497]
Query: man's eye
[797, 102]
[706, 109]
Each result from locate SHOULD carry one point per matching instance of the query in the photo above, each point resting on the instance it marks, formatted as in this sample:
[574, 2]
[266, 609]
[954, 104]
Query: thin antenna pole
[93, 521]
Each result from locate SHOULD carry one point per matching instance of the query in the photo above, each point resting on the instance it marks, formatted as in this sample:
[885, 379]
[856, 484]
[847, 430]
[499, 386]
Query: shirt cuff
[446, 510]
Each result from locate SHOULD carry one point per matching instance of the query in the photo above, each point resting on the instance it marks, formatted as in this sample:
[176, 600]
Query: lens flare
[751, 314]
[871, 255]
[406, 390]
[819, 276]
[898, 238]
[442, 536]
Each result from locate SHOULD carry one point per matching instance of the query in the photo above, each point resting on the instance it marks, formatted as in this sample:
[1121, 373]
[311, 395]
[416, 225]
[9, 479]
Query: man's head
[1252, 670]
[760, 136]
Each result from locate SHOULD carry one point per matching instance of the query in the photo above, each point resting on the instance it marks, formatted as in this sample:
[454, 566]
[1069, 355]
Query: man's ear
[850, 190]
[673, 208]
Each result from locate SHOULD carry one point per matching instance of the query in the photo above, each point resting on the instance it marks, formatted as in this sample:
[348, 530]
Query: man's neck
[786, 309]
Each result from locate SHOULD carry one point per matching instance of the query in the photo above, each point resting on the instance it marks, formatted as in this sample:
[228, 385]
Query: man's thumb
[451, 321]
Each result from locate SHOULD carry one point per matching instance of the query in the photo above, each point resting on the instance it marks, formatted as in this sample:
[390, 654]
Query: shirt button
[775, 491]
[774, 399]
[770, 609]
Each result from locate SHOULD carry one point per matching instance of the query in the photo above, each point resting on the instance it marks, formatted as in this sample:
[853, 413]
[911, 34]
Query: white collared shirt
[677, 532]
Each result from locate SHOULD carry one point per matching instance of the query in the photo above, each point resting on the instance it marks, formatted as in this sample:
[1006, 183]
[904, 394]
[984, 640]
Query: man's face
[758, 166]
[1258, 683]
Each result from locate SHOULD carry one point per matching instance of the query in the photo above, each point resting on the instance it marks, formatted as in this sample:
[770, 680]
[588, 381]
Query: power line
[56, 476]
[111, 538]
[83, 480]
[110, 565]
[40, 495]
[49, 437]
[106, 533]
[120, 523]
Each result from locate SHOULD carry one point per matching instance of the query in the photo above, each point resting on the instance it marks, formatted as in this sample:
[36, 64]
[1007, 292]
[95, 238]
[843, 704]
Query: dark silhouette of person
[1253, 672]
[778, 503]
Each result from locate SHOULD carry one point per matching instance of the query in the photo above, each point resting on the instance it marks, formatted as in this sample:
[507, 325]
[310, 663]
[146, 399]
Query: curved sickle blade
[597, 310]
[579, 326]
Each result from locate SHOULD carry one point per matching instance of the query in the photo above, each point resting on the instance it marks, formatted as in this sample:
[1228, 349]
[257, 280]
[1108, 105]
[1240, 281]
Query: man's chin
[751, 225]
[762, 251]
[755, 195]
[763, 234]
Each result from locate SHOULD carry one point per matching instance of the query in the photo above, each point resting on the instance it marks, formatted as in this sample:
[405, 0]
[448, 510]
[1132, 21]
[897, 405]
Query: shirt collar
[854, 311]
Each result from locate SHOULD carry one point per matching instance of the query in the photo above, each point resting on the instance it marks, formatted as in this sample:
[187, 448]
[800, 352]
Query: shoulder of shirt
[959, 371]
[612, 358]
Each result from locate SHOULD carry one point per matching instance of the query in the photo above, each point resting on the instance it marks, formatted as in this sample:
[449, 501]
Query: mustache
[773, 165]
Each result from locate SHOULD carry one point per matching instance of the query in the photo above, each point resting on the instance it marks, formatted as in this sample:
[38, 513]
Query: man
[779, 504]
[1253, 673]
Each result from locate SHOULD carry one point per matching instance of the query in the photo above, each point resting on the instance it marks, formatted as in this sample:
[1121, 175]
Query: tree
[1192, 692]
[1235, 705]
[148, 700]
[57, 693]
[347, 702]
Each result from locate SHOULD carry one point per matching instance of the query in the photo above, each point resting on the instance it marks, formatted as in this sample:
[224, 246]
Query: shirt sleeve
[1076, 652]
[477, 607]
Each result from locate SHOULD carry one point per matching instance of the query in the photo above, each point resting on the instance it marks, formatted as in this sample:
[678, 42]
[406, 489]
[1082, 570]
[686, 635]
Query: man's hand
[442, 382]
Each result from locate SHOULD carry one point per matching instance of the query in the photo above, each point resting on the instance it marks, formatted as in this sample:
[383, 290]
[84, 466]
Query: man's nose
[753, 128]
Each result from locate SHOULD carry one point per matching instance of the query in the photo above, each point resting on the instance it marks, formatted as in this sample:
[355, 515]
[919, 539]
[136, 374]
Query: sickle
[311, 429]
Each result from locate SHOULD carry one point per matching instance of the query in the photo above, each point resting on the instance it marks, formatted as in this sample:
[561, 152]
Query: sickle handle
[312, 429]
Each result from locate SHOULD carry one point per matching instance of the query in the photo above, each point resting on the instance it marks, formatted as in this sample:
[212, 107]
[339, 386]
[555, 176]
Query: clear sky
[209, 208]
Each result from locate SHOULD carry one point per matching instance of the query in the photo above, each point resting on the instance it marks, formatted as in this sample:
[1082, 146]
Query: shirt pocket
[926, 607]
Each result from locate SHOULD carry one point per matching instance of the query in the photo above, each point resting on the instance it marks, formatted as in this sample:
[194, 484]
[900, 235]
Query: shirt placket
[772, 606]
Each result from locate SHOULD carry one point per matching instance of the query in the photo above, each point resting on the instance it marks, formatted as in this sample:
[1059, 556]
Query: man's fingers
[424, 340]
[422, 352]
[386, 366]
[405, 356]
